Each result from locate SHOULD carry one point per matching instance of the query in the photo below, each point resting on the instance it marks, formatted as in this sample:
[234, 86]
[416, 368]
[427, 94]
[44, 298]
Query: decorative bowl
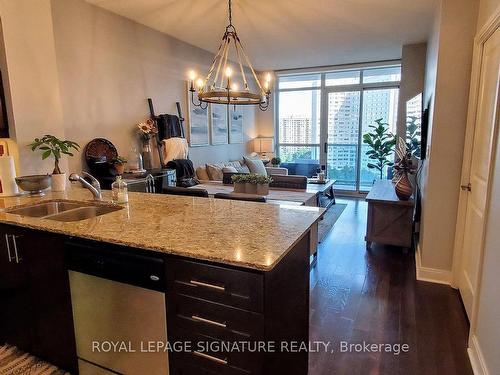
[34, 184]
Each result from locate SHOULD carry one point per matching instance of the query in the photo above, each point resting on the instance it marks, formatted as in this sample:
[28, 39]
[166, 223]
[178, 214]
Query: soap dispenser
[119, 191]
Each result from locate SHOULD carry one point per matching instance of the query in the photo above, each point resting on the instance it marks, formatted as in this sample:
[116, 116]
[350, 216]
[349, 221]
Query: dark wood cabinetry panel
[35, 293]
[16, 325]
[227, 305]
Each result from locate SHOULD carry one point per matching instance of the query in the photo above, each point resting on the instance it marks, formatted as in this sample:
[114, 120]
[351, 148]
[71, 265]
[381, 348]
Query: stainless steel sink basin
[44, 209]
[84, 213]
[64, 210]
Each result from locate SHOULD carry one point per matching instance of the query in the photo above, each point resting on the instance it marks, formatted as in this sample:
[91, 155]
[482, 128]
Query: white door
[486, 119]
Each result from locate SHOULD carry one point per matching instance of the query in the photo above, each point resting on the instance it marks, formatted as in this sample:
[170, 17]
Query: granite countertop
[245, 234]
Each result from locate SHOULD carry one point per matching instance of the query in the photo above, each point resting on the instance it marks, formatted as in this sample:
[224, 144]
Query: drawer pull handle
[8, 248]
[207, 285]
[211, 358]
[16, 252]
[208, 321]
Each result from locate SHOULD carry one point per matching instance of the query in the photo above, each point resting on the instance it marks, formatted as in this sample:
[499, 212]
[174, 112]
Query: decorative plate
[100, 150]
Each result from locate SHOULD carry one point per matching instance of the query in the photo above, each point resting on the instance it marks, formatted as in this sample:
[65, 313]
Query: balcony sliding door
[323, 116]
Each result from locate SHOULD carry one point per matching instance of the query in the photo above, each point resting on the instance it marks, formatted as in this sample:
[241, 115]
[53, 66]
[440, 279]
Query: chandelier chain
[230, 14]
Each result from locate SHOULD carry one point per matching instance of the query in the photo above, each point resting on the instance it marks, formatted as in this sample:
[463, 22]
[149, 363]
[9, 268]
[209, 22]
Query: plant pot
[120, 168]
[404, 189]
[58, 182]
[250, 188]
[262, 189]
[239, 187]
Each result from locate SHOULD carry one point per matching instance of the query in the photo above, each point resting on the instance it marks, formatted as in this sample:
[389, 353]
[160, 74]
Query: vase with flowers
[146, 131]
[403, 167]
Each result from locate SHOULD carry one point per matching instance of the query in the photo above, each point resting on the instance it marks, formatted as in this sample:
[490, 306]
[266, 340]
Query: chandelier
[220, 86]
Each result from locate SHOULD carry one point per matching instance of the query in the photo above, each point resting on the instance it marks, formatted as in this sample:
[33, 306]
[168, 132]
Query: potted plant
[403, 166]
[239, 181]
[263, 184]
[381, 142]
[275, 162]
[53, 146]
[119, 164]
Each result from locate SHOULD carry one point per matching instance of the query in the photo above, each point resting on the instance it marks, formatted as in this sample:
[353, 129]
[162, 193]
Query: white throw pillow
[256, 166]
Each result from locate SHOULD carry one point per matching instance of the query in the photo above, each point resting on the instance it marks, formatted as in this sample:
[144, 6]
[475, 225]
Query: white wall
[109, 65]
[35, 106]
[412, 79]
[447, 83]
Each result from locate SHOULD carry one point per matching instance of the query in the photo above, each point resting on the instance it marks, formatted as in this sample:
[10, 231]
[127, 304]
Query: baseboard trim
[476, 357]
[432, 275]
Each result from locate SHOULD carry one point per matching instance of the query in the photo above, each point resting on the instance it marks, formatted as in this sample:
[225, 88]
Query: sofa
[215, 171]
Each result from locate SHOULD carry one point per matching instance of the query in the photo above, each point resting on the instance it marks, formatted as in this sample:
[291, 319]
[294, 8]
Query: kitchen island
[231, 272]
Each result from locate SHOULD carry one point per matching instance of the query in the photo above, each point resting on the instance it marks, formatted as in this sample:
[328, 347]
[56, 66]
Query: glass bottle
[134, 160]
[119, 191]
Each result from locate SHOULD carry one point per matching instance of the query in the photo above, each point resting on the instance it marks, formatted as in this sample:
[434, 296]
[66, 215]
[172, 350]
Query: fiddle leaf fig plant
[53, 146]
[381, 142]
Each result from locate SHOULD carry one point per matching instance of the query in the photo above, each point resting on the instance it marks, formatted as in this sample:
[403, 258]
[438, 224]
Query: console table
[390, 220]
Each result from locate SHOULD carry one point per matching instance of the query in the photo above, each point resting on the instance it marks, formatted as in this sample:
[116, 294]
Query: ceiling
[283, 34]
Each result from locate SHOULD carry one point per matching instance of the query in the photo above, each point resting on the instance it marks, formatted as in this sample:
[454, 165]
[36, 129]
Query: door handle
[16, 251]
[467, 187]
[8, 248]
[325, 147]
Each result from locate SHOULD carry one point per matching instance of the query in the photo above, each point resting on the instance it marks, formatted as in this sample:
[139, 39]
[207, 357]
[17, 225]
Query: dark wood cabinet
[222, 305]
[206, 304]
[36, 313]
[16, 325]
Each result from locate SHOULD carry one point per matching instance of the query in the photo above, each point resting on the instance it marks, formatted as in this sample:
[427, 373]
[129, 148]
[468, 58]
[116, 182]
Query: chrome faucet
[95, 187]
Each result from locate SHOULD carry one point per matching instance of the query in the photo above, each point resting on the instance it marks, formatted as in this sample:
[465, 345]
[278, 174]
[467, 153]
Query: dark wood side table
[390, 220]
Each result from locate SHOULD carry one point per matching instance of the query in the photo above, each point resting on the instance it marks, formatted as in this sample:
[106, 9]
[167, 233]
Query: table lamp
[262, 146]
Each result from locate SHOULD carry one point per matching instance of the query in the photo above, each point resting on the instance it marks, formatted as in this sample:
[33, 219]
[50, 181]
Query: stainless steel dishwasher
[119, 310]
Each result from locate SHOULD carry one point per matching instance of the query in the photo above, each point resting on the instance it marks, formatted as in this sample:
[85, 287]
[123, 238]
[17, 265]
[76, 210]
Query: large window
[322, 117]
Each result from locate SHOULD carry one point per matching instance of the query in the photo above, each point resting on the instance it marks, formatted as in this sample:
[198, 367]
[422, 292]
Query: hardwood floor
[373, 296]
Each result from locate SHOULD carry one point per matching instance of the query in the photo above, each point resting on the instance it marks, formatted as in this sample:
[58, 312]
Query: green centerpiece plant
[251, 183]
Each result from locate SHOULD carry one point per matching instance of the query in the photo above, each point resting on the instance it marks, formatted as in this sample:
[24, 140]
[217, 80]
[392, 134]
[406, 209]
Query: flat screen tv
[416, 127]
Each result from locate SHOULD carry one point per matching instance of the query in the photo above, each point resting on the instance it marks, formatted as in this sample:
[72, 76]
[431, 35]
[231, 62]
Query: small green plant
[381, 142]
[240, 178]
[51, 145]
[276, 161]
[259, 179]
[119, 160]
[250, 178]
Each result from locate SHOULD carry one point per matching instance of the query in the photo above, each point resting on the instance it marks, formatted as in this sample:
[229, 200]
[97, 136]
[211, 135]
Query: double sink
[64, 210]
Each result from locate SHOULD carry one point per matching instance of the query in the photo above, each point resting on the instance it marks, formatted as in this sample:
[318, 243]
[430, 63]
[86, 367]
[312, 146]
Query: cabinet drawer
[213, 319]
[223, 285]
[212, 355]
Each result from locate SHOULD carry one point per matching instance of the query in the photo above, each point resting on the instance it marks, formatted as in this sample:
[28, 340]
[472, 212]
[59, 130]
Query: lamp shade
[262, 145]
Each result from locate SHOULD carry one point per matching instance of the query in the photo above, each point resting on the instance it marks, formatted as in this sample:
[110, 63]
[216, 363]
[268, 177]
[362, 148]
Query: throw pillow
[242, 169]
[229, 169]
[215, 172]
[201, 173]
[256, 166]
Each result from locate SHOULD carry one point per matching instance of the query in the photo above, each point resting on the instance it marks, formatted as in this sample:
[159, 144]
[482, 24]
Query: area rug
[331, 216]
[15, 362]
